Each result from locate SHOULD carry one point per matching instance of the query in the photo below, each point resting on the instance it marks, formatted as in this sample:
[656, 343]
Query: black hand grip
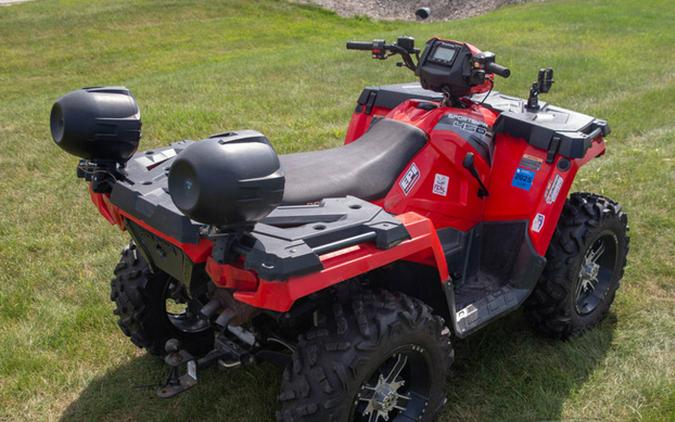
[359, 45]
[498, 69]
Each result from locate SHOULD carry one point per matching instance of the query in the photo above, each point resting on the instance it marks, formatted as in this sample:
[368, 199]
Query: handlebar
[405, 46]
[483, 62]
[498, 69]
[359, 45]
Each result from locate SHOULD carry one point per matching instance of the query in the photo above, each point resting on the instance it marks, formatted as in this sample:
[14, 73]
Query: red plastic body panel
[461, 208]
[347, 263]
[507, 202]
[196, 252]
[443, 155]
[423, 247]
[106, 208]
[360, 122]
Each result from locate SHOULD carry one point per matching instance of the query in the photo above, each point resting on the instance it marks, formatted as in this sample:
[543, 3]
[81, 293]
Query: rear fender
[109, 211]
[423, 247]
[419, 281]
[196, 252]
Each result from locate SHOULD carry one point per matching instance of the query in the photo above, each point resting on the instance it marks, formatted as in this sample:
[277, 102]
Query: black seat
[365, 168]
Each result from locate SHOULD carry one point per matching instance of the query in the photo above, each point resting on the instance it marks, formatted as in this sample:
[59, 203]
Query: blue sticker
[523, 179]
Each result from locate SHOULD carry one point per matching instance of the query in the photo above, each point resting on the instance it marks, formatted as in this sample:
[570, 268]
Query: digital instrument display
[444, 54]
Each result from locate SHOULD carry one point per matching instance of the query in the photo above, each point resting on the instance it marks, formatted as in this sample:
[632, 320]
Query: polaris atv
[446, 208]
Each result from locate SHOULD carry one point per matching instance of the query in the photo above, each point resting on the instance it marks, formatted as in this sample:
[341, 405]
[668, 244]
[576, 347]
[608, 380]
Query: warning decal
[553, 189]
[440, 184]
[410, 178]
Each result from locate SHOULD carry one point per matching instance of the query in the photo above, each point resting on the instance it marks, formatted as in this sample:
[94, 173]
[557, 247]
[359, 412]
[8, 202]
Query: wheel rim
[596, 273]
[399, 387]
[182, 310]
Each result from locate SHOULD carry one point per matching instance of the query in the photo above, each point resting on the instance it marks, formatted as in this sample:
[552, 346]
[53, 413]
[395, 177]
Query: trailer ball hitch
[175, 358]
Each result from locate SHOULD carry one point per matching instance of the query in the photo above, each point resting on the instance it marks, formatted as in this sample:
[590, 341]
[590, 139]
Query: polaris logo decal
[410, 178]
[538, 222]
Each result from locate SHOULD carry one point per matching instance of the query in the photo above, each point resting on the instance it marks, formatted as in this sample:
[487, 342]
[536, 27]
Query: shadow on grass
[508, 372]
[505, 372]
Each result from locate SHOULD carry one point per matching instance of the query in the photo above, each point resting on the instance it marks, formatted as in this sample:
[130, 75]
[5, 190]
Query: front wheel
[585, 264]
[382, 357]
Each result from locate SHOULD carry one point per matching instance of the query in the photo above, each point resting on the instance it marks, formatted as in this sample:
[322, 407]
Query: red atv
[446, 209]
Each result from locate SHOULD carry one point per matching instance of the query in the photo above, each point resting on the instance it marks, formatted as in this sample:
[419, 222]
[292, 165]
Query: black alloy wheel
[399, 387]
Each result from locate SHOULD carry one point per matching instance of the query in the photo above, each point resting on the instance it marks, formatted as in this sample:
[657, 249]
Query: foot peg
[175, 358]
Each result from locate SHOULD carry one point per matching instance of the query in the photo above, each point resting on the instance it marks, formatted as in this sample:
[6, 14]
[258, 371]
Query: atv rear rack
[423, 246]
[290, 240]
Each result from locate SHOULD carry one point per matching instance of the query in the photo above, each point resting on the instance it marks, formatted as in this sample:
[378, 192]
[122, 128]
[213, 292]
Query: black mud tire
[347, 345]
[552, 307]
[139, 296]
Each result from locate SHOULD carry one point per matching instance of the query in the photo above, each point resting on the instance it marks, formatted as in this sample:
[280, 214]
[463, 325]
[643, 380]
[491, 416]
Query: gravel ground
[405, 9]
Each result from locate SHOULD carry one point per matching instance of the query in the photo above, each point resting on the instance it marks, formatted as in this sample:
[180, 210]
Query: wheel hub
[384, 399]
[595, 273]
[385, 396]
[589, 275]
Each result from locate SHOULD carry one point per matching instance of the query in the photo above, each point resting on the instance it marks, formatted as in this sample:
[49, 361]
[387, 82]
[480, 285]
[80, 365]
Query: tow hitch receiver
[176, 358]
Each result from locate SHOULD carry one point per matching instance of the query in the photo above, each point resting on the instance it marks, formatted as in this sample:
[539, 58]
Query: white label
[441, 184]
[553, 189]
[192, 369]
[410, 178]
[538, 222]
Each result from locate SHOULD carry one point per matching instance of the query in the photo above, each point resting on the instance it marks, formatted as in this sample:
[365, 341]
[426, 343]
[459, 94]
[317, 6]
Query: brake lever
[405, 55]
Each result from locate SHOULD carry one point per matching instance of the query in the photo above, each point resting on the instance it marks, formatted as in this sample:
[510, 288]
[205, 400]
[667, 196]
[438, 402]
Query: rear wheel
[154, 307]
[585, 264]
[382, 357]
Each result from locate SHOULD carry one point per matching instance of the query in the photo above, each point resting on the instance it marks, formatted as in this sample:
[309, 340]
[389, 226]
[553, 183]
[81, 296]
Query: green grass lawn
[199, 68]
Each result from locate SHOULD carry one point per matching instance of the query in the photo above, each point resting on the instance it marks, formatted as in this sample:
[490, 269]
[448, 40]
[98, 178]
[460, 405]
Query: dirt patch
[441, 10]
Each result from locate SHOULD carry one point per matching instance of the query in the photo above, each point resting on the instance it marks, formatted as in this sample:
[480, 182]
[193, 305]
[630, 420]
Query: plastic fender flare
[551, 211]
[423, 246]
